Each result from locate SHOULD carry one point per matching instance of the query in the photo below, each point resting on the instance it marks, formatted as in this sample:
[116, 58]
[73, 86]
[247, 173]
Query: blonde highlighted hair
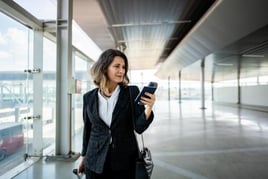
[99, 69]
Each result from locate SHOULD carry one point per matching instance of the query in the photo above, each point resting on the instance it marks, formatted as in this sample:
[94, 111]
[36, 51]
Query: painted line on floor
[178, 170]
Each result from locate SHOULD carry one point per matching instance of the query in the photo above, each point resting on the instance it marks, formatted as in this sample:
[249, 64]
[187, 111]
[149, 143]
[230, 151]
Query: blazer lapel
[121, 103]
[94, 105]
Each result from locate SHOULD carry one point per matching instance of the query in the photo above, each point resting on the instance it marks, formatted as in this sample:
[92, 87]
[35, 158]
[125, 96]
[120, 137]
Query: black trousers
[108, 173]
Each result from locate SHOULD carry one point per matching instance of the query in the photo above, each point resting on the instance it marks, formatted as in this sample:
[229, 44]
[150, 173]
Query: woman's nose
[121, 70]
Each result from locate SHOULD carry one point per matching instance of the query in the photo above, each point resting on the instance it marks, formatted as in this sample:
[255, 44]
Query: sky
[14, 37]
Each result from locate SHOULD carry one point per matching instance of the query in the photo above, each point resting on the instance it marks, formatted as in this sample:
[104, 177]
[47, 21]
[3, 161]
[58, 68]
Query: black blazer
[120, 137]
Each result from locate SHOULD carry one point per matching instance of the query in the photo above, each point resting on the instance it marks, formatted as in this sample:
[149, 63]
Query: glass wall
[83, 84]
[80, 75]
[169, 89]
[16, 93]
[45, 9]
[18, 126]
[49, 94]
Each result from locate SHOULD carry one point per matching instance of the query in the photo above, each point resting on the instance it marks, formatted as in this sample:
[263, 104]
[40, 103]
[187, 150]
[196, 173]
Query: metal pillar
[203, 84]
[63, 76]
[238, 80]
[180, 86]
[212, 81]
[169, 88]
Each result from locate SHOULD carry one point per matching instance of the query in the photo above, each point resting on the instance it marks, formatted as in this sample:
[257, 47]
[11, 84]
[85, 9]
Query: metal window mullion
[38, 93]
[13, 10]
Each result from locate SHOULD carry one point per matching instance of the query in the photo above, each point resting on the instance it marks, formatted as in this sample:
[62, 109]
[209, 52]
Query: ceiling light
[179, 22]
[152, 23]
[224, 64]
[253, 56]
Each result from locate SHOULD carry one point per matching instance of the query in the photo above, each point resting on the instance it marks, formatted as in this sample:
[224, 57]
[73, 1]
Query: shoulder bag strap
[132, 116]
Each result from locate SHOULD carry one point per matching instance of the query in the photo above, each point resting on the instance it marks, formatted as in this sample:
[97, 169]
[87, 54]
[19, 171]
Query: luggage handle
[79, 176]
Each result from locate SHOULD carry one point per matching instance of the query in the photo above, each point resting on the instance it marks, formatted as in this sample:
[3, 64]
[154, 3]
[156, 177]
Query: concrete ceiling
[173, 35]
[149, 30]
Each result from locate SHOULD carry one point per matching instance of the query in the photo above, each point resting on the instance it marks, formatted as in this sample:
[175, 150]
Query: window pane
[45, 9]
[49, 94]
[15, 92]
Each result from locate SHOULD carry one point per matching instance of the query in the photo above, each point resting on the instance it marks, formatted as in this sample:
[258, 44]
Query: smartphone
[151, 88]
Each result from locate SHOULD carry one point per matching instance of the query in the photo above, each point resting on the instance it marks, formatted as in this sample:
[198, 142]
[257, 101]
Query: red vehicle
[11, 138]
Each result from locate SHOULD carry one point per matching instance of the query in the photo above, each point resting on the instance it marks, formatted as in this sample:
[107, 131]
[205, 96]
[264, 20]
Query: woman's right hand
[81, 167]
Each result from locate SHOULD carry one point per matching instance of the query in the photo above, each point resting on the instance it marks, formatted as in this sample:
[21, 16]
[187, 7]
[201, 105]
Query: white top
[107, 105]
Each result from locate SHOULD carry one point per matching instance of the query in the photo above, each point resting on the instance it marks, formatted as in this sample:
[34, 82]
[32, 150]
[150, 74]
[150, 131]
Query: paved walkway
[186, 142]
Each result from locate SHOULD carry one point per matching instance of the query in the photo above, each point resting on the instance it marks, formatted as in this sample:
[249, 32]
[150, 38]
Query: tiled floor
[186, 142]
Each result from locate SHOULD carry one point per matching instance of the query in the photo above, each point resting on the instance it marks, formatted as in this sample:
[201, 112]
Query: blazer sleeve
[87, 126]
[140, 122]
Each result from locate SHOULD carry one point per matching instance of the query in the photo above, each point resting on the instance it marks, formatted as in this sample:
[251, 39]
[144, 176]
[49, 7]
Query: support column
[63, 74]
[213, 81]
[180, 86]
[238, 80]
[203, 84]
[169, 88]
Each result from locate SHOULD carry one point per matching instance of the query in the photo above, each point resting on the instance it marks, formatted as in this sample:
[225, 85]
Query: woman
[109, 145]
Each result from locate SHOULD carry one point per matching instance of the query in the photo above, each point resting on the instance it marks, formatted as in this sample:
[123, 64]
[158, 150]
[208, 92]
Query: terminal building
[209, 58]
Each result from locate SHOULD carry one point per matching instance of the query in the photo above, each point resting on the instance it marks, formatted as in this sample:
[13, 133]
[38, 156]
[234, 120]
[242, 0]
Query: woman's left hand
[148, 101]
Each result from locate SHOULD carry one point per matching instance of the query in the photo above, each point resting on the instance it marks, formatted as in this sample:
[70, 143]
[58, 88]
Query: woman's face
[116, 70]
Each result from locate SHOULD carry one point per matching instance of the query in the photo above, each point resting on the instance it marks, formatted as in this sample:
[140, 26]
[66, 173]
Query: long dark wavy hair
[99, 69]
